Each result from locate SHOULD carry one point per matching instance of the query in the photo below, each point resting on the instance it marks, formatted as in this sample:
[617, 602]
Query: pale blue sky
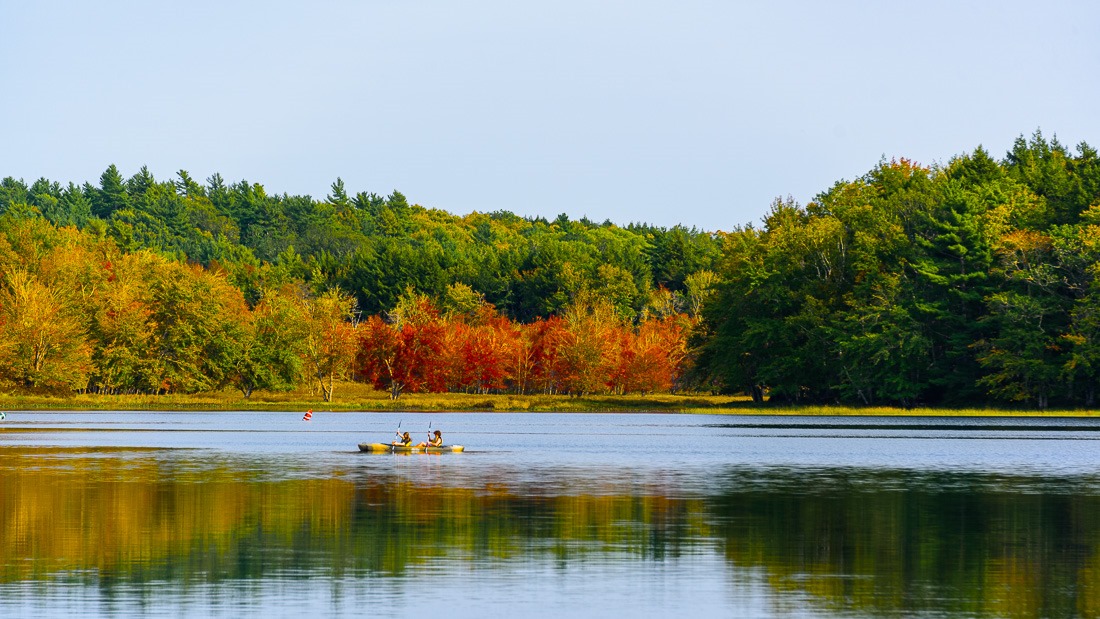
[687, 112]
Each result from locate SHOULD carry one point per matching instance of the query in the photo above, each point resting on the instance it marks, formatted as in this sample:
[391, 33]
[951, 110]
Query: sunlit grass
[351, 396]
[359, 397]
[748, 408]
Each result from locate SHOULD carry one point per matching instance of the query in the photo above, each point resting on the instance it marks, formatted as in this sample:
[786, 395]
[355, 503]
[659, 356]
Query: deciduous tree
[331, 339]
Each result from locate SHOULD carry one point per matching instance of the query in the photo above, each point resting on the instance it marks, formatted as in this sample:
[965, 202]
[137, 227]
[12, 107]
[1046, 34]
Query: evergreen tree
[111, 195]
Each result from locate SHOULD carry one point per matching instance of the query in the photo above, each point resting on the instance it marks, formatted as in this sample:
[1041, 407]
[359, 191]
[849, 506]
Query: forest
[971, 282]
[967, 282]
[145, 286]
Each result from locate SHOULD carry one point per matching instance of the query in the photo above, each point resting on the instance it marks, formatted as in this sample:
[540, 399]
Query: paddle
[398, 433]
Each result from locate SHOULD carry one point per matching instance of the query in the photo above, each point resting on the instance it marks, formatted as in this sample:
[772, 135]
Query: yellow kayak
[388, 448]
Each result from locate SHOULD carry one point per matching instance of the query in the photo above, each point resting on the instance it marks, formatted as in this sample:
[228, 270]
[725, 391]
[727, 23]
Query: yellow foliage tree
[44, 341]
[330, 339]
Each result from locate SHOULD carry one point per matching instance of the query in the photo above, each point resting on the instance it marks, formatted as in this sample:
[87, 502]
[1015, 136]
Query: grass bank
[359, 397]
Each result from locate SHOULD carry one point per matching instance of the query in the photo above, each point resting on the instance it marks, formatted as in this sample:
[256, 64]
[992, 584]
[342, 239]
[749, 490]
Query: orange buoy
[308, 415]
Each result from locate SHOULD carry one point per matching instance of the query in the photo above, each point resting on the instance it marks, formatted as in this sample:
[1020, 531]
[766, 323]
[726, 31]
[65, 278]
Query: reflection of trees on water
[854, 540]
[143, 519]
[900, 541]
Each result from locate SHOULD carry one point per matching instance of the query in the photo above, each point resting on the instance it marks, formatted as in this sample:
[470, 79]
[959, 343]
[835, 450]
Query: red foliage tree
[588, 350]
[421, 362]
[543, 341]
[379, 347]
[406, 356]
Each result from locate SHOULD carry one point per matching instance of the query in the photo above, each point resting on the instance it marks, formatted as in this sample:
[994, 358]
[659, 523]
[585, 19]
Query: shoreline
[358, 398]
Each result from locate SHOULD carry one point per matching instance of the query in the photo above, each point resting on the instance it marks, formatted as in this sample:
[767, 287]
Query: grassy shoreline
[357, 397]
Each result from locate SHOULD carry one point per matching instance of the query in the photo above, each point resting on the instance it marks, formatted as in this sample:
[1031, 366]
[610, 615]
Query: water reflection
[903, 542]
[170, 524]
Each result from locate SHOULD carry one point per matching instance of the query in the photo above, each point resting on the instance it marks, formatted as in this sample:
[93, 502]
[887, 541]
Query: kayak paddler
[404, 441]
[434, 441]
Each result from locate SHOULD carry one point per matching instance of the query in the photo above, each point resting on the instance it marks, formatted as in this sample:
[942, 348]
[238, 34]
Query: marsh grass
[359, 397]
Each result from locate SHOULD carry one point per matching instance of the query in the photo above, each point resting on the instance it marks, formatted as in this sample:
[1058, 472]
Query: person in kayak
[435, 441]
[404, 441]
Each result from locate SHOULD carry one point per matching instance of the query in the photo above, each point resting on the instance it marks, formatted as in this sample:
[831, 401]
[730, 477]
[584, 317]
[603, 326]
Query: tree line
[85, 308]
[953, 284]
[962, 283]
[375, 247]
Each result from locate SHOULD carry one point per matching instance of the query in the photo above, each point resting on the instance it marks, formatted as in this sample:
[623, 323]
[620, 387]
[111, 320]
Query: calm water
[548, 515]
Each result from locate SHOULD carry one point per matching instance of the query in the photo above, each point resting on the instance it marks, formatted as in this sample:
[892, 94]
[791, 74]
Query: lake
[548, 515]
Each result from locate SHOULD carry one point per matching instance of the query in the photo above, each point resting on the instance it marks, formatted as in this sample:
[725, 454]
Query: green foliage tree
[196, 323]
[886, 289]
[111, 194]
[268, 355]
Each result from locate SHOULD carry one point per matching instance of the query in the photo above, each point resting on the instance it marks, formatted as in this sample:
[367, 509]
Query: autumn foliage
[587, 351]
[77, 313]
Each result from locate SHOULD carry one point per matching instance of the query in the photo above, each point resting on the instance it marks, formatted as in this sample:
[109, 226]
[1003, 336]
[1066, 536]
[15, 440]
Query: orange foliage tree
[652, 356]
[589, 348]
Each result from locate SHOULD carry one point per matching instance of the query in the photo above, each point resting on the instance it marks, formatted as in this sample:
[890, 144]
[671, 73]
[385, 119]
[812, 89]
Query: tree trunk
[757, 394]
